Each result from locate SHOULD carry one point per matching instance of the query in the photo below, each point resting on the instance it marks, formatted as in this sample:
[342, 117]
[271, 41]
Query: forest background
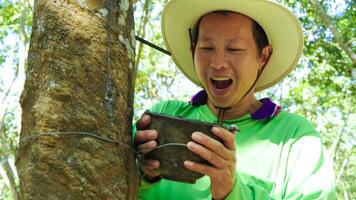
[322, 88]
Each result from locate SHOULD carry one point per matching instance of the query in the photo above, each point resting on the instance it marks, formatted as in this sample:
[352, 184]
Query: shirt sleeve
[242, 191]
[309, 173]
[144, 189]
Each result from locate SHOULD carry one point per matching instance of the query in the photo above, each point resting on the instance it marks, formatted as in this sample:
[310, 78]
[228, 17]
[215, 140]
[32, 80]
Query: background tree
[325, 94]
[15, 20]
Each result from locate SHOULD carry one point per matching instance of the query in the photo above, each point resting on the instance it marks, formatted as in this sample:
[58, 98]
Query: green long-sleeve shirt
[277, 158]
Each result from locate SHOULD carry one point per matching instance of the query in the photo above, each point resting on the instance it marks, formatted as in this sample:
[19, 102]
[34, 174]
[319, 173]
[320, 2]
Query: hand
[222, 157]
[145, 142]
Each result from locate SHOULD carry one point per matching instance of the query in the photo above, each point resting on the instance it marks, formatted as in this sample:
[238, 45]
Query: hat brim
[283, 30]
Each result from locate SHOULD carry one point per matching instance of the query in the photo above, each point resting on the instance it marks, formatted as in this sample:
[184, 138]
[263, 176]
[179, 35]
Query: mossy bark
[80, 77]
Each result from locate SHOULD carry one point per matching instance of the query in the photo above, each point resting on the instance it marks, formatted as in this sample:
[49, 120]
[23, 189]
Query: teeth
[220, 78]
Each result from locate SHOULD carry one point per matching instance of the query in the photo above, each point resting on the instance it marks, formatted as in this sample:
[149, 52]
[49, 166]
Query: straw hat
[283, 30]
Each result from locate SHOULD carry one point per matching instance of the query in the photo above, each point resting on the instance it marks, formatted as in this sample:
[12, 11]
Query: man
[234, 48]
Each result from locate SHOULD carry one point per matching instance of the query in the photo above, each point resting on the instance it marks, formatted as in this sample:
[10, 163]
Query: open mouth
[221, 82]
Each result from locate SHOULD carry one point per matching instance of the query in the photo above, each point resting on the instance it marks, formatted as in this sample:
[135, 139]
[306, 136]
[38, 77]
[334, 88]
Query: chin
[222, 103]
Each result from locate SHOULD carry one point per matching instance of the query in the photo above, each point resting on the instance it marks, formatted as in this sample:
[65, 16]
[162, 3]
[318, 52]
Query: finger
[145, 135]
[143, 122]
[226, 136]
[212, 144]
[200, 168]
[150, 168]
[151, 164]
[147, 147]
[151, 173]
[208, 155]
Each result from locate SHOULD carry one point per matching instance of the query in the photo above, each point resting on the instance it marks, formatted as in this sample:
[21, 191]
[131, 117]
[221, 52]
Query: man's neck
[248, 105]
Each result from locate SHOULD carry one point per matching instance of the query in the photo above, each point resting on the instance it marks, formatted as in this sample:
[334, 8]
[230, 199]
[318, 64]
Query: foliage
[327, 94]
[157, 77]
[10, 87]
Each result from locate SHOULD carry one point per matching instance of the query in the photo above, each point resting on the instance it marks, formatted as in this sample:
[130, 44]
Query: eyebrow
[207, 39]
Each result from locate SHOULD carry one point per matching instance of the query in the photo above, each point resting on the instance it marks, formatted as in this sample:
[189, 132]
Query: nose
[218, 60]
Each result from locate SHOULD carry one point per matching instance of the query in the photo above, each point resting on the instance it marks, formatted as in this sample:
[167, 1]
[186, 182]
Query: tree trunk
[80, 78]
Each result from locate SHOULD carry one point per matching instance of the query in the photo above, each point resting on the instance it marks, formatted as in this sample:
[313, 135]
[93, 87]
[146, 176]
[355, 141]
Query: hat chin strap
[222, 110]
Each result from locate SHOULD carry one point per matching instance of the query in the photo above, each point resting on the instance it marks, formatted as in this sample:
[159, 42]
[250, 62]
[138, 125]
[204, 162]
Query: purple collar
[268, 109]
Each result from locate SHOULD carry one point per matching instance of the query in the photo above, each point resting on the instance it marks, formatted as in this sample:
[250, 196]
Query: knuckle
[231, 137]
[145, 134]
[147, 145]
[154, 134]
[147, 167]
[141, 147]
[231, 165]
[207, 170]
[213, 158]
[149, 164]
[150, 134]
[150, 145]
[220, 147]
[139, 135]
[233, 157]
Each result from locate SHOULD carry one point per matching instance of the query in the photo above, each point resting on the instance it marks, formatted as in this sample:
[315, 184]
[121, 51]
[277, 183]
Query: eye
[234, 49]
[206, 48]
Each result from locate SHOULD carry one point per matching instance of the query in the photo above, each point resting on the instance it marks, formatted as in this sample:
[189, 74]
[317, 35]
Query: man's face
[226, 58]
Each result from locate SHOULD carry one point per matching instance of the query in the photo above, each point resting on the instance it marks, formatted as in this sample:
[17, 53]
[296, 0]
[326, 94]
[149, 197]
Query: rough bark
[79, 78]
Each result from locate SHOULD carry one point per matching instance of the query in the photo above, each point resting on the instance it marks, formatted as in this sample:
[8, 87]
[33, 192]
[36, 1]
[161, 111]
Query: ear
[266, 54]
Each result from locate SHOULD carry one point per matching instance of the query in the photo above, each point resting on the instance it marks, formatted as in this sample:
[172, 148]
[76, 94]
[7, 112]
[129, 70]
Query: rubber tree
[80, 79]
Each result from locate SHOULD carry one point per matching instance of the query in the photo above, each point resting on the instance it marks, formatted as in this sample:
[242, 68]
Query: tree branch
[141, 32]
[336, 145]
[337, 35]
[22, 42]
[3, 101]
[11, 177]
[4, 158]
[343, 166]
